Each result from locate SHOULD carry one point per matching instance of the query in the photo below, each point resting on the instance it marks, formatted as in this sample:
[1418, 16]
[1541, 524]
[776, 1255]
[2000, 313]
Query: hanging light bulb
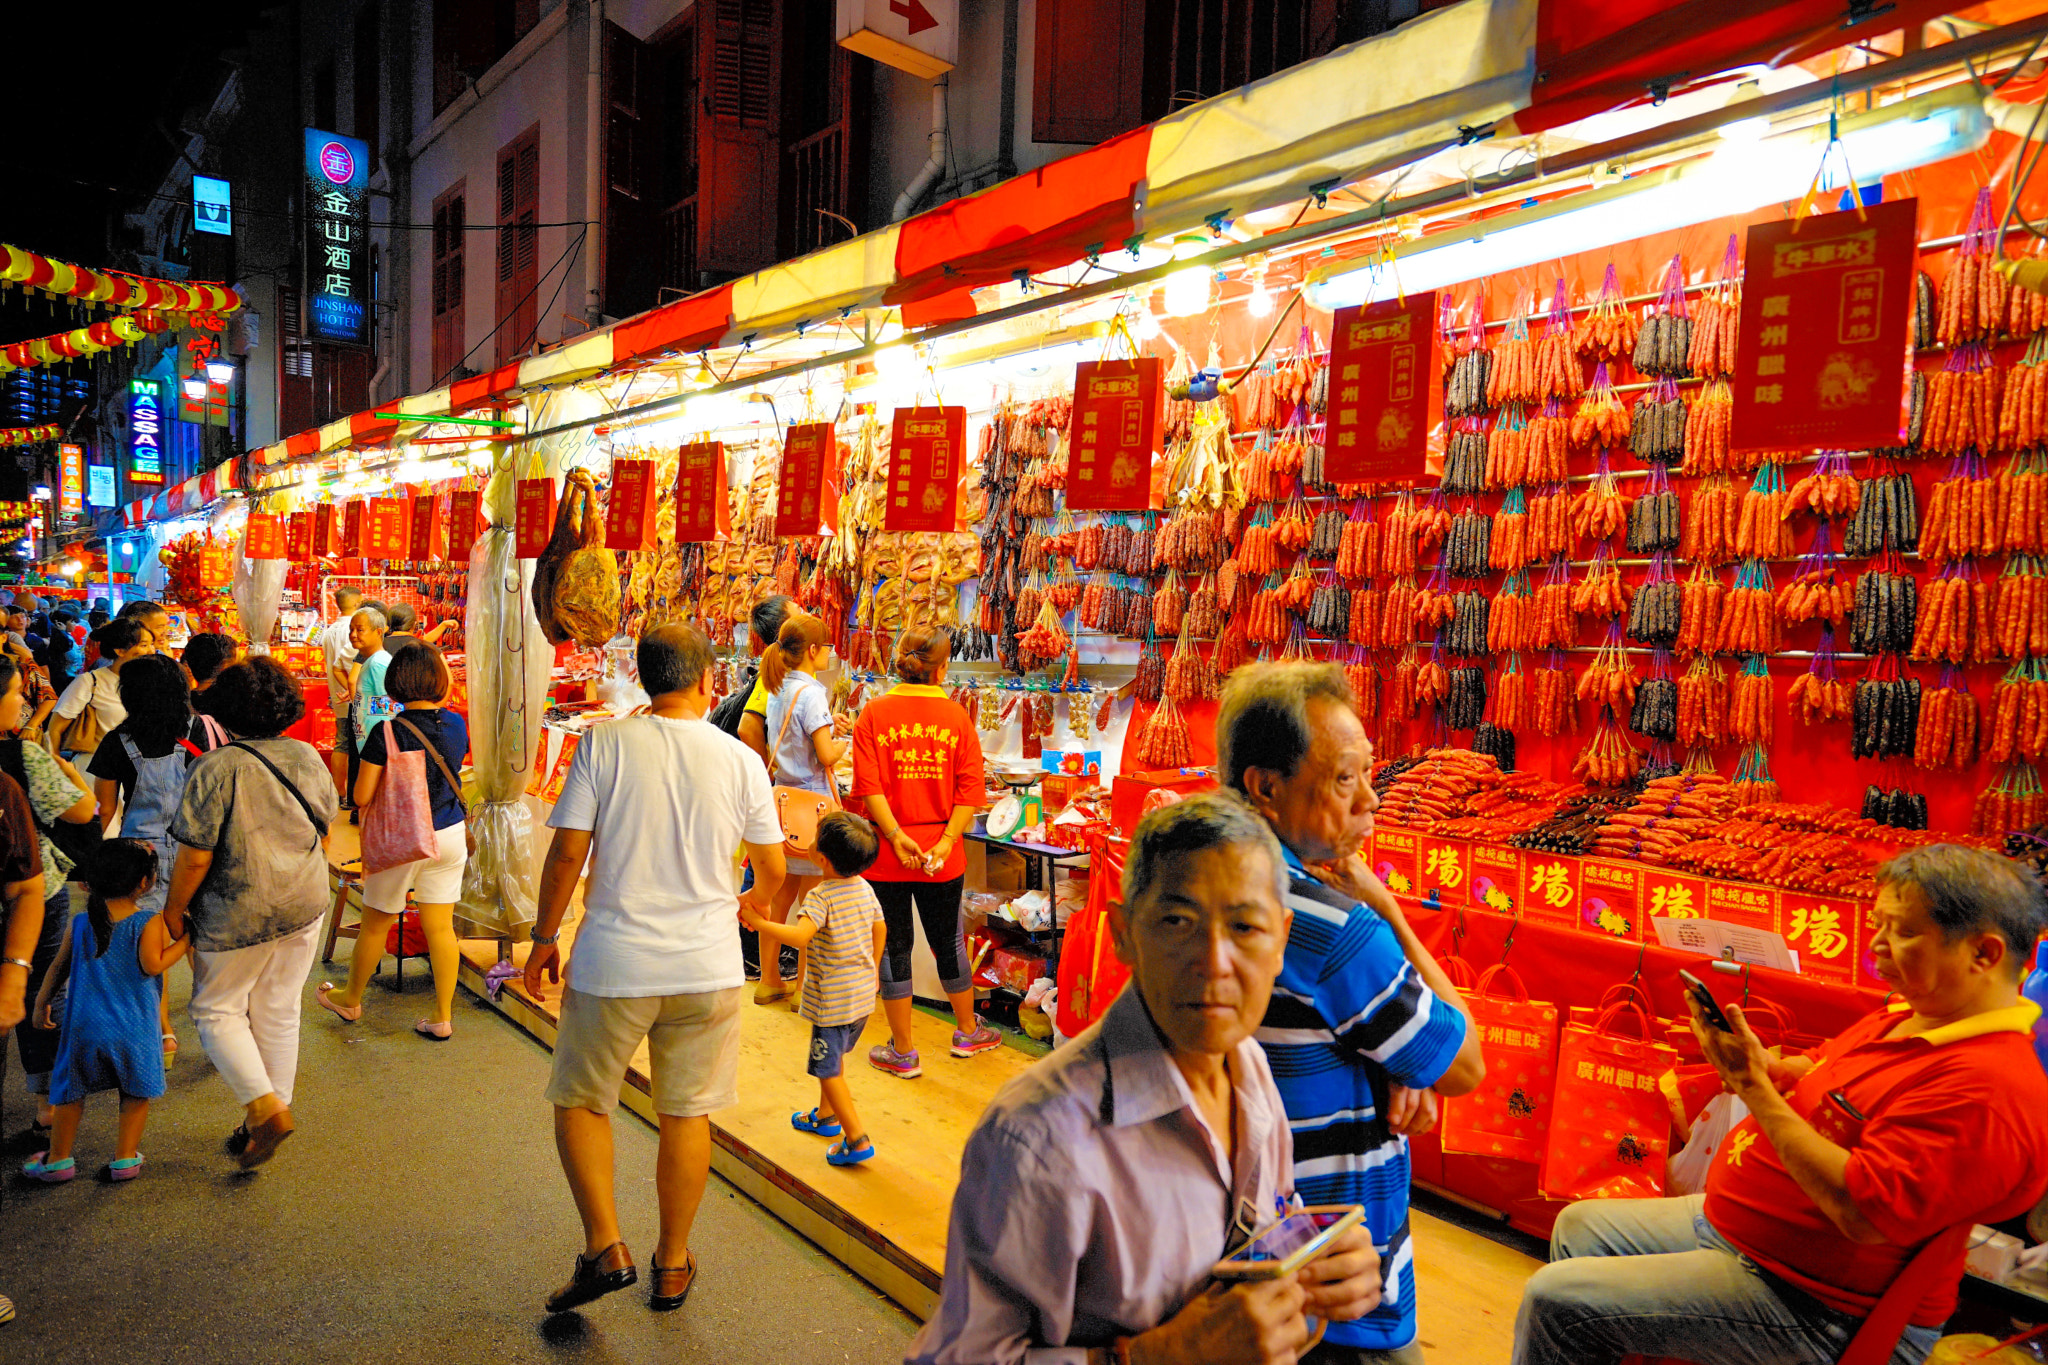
[1187, 292]
[1261, 302]
[1145, 324]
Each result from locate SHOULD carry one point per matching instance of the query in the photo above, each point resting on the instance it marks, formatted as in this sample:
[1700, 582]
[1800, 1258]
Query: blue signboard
[212, 209]
[145, 431]
[337, 176]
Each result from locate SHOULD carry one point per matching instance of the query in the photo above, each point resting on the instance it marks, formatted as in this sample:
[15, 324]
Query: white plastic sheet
[258, 590]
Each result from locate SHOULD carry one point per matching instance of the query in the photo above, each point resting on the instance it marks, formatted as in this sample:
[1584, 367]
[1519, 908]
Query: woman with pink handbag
[415, 834]
[807, 744]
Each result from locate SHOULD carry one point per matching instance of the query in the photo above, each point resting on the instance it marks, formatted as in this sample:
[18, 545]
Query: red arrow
[919, 17]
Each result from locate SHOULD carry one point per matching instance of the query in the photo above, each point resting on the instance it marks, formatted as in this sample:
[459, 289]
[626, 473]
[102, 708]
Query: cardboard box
[1004, 869]
[1016, 968]
[1127, 795]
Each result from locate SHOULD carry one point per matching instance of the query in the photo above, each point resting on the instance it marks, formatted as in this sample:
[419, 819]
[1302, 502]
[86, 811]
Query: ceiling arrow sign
[917, 15]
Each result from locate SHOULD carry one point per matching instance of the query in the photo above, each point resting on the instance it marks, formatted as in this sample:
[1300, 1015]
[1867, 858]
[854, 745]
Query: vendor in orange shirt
[917, 767]
[1921, 1117]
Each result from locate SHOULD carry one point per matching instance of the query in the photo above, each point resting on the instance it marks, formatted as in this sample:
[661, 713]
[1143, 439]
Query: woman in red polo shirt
[917, 766]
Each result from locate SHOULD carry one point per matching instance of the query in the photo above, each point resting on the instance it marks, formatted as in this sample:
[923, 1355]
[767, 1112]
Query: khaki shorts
[693, 1042]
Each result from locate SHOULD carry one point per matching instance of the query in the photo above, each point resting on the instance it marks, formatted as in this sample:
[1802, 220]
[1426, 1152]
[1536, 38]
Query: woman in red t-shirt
[917, 766]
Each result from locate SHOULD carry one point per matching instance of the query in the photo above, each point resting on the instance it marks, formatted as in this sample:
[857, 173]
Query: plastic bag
[258, 591]
[1687, 1173]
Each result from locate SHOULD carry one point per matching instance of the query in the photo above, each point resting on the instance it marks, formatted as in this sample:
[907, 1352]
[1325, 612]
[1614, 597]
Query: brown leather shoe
[595, 1276]
[671, 1287]
[265, 1138]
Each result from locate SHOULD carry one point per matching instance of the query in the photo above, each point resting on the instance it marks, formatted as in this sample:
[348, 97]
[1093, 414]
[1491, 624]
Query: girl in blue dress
[112, 960]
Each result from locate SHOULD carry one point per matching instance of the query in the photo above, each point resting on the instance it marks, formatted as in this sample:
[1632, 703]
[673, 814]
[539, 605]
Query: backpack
[75, 842]
[726, 715]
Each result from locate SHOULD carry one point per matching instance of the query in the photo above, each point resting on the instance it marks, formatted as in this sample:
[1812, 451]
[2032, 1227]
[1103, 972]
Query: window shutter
[449, 282]
[825, 117]
[739, 153]
[295, 375]
[518, 245]
[1087, 70]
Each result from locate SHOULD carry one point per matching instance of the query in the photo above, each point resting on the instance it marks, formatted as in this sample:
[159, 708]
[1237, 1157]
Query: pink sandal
[434, 1029]
[341, 1012]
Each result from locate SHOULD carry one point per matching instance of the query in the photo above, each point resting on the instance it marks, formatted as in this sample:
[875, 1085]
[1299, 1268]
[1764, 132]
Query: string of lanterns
[23, 436]
[111, 288]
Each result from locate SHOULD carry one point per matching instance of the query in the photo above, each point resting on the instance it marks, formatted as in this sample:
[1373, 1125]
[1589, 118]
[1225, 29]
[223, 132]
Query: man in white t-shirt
[339, 656]
[665, 798]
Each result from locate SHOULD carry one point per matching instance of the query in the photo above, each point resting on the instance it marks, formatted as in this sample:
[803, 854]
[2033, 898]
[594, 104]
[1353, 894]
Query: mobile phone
[1283, 1247]
[1704, 998]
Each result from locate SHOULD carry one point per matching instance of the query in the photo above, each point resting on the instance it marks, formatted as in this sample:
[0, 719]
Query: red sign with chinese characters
[1443, 867]
[800, 490]
[1496, 877]
[702, 512]
[1673, 895]
[1610, 899]
[1825, 306]
[1112, 434]
[298, 537]
[352, 530]
[384, 529]
[534, 519]
[629, 511]
[1376, 427]
[1823, 931]
[927, 447]
[1393, 861]
[264, 536]
[1737, 903]
[463, 505]
[1550, 887]
[423, 540]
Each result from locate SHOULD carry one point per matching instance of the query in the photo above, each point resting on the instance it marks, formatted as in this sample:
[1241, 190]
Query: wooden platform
[886, 1219]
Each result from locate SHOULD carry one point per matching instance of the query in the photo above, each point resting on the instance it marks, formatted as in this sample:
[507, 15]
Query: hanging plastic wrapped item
[258, 591]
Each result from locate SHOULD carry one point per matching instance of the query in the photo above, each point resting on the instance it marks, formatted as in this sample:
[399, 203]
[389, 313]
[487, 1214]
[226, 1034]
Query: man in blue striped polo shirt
[1363, 1024]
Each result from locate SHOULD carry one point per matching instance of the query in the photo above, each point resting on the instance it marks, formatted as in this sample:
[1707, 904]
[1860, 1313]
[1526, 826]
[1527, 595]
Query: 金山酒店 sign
[337, 238]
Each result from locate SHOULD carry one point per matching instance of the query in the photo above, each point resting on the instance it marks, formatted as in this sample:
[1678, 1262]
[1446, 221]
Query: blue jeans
[1652, 1276]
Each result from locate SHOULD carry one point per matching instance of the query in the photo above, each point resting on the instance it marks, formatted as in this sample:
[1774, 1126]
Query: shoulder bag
[398, 827]
[79, 734]
[75, 842]
[798, 808]
[433, 751]
[319, 830]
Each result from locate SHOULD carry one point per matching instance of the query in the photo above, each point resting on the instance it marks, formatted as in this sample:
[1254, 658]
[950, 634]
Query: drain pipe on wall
[934, 166]
[593, 172]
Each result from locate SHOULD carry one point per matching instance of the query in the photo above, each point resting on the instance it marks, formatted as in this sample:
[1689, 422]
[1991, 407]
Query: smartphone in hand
[1704, 998]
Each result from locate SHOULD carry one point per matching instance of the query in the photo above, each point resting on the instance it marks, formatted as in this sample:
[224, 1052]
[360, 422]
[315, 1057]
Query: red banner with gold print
[629, 510]
[298, 537]
[703, 510]
[1376, 426]
[464, 506]
[926, 448]
[423, 532]
[534, 517]
[1111, 436]
[800, 489]
[384, 529]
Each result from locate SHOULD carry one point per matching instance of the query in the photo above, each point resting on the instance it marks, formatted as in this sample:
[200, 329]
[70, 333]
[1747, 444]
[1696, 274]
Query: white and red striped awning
[183, 499]
[1457, 72]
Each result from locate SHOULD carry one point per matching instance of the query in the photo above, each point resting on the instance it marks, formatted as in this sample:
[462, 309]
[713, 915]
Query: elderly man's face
[1204, 943]
[1324, 809]
[362, 635]
[1914, 955]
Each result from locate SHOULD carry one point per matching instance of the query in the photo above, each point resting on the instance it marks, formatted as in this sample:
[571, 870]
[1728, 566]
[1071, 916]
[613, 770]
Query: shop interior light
[1187, 291]
[1260, 304]
[69, 568]
[1738, 179]
[220, 372]
[1746, 129]
[1145, 324]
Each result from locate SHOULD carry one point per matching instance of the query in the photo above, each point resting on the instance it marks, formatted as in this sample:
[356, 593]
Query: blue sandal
[49, 1172]
[839, 1156]
[811, 1123]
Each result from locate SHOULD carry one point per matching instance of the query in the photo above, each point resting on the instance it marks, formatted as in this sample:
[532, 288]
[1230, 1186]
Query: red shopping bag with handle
[1610, 1130]
[1091, 975]
[1508, 1116]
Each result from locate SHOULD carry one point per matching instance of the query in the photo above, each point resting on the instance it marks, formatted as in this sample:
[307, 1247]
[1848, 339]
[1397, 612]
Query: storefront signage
[926, 449]
[1393, 860]
[1443, 869]
[702, 513]
[1114, 430]
[800, 490]
[464, 505]
[99, 485]
[384, 530]
[534, 517]
[212, 206]
[1824, 932]
[1495, 877]
[70, 481]
[263, 538]
[1376, 427]
[918, 36]
[145, 431]
[629, 509]
[337, 238]
[1736, 903]
[421, 533]
[1610, 899]
[1673, 895]
[1550, 887]
[1825, 305]
[298, 537]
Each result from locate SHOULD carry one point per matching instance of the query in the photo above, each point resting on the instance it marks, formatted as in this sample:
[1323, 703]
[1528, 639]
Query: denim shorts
[829, 1045]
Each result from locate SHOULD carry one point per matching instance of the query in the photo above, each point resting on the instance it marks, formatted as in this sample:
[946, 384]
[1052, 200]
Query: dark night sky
[88, 85]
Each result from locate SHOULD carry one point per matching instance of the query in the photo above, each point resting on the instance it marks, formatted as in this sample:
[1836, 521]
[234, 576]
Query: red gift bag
[1091, 975]
[1610, 1132]
[1508, 1116]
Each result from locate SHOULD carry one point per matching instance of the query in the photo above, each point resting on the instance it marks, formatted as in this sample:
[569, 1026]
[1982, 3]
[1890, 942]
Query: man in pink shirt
[1101, 1186]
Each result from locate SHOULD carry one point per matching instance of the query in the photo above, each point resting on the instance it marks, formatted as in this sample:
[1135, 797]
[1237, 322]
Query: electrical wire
[573, 248]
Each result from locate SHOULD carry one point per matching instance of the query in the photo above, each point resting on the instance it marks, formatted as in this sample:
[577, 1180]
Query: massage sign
[1114, 430]
[1825, 307]
[1376, 428]
[800, 490]
[925, 446]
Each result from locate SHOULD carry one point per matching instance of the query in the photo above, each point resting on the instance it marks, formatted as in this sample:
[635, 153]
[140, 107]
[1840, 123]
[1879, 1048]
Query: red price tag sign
[1673, 895]
[326, 537]
[702, 513]
[1550, 887]
[800, 489]
[464, 506]
[629, 512]
[298, 537]
[534, 517]
[1443, 868]
[1393, 861]
[1824, 932]
[384, 534]
[1825, 304]
[423, 539]
[264, 537]
[1610, 899]
[1113, 432]
[927, 447]
[1376, 427]
[1496, 876]
[352, 531]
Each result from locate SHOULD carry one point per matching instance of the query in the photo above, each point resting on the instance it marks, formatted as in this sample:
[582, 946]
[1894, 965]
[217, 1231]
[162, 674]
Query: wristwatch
[547, 940]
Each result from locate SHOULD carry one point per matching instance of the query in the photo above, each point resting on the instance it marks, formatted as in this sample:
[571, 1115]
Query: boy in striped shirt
[841, 924]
